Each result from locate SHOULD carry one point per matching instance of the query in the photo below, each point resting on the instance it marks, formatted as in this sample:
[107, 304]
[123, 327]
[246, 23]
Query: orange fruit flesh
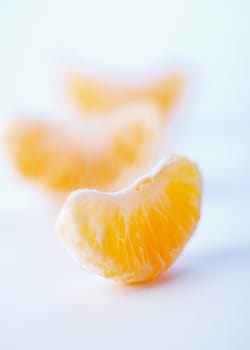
[67, 156]
[134, 234]
[92, 95]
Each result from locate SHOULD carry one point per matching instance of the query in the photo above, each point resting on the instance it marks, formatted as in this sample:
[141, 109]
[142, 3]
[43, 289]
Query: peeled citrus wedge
[91, 94]
[134, 234]
[64, 156]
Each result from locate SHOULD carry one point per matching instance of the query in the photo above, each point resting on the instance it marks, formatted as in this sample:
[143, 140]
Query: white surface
[46, 301]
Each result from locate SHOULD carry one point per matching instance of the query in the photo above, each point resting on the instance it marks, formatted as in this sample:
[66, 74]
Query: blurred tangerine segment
[134, 234]
[87, 152]
[90, 94]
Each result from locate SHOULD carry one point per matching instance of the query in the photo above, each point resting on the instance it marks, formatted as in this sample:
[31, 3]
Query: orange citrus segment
[90, 94]
[136, 233]
[87, 153]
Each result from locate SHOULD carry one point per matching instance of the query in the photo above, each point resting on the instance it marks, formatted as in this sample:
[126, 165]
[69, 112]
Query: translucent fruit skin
[92, 95]
[135, 234]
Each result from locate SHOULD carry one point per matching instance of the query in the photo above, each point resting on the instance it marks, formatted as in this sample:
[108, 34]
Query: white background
[46, 301]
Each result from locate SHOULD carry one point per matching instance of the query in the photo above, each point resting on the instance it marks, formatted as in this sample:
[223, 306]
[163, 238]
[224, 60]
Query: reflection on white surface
[203, 301]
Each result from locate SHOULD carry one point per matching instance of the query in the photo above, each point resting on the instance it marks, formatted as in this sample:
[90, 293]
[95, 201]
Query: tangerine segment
[90, 94]
[87, 153]
[134, 234]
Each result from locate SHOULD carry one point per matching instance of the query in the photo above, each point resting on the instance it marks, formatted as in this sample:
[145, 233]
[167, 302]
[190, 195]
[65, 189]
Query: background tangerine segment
[90, 94]
[64, 158]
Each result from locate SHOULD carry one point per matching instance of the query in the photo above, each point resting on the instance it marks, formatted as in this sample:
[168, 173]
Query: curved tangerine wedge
[134, 234]
[90, 94]
[87, 153]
